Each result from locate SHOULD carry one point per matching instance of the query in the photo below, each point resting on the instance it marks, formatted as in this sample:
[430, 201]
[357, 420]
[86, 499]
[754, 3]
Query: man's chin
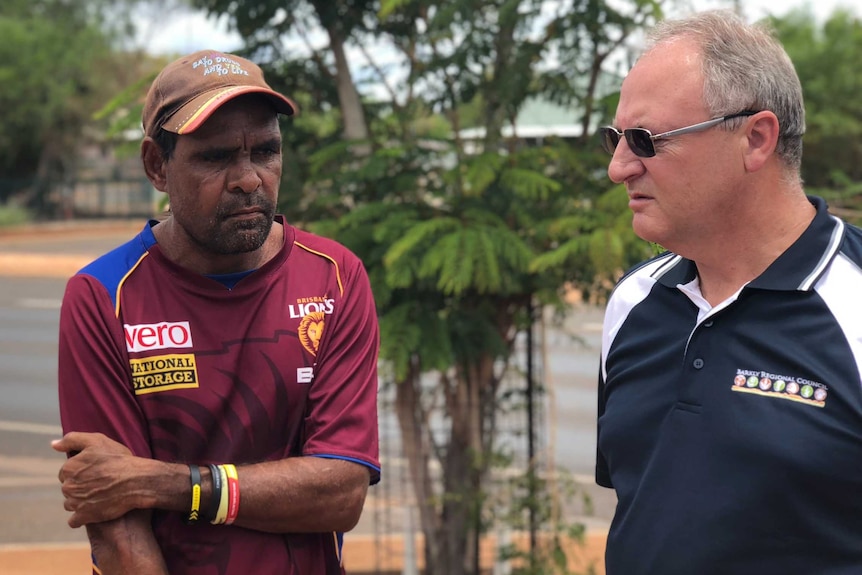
[243, 238]
[644, 227]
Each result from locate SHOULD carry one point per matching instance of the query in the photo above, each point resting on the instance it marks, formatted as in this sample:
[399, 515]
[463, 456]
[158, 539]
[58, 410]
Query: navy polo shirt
[733, 435]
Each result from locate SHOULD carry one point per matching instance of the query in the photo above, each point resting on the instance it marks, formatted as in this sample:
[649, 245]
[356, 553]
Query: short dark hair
[167, 141]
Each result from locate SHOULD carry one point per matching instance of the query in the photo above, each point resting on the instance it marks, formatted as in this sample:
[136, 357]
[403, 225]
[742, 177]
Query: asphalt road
[33, 270]
[29, 417]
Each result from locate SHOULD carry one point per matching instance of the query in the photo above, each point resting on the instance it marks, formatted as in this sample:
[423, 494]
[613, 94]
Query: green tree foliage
[462, 236]
[264, 23]
[826, 57]
[54, 67]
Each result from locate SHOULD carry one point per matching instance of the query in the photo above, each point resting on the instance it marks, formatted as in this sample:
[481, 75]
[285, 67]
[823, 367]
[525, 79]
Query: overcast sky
[756, 9]
[191, 32]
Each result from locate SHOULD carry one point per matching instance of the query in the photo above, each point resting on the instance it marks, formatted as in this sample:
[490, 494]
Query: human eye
[268, 151]
[215, 156]
[660, 143]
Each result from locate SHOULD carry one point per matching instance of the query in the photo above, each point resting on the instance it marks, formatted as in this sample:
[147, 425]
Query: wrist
[165, 486]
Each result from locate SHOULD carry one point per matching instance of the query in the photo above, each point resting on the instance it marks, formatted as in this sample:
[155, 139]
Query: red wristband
[233, 493]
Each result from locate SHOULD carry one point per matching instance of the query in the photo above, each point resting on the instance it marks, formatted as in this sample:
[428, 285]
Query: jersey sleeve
[341, 420]
[94, 382]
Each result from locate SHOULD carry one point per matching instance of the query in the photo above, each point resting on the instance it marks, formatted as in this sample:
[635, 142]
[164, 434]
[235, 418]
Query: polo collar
[798, 268]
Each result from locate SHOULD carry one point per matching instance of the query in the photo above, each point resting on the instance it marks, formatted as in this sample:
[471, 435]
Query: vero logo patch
[164, 335]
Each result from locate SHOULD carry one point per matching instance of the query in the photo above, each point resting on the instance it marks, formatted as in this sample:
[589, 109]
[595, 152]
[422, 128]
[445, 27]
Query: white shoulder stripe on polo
[633, 289]
[834, 244]
[839, 288]
[669, 263]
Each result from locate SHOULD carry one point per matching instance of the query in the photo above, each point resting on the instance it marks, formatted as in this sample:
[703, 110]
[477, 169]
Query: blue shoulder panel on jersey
[111, 268]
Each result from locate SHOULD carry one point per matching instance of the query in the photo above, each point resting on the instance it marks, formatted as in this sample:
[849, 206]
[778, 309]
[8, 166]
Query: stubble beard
[229, 236]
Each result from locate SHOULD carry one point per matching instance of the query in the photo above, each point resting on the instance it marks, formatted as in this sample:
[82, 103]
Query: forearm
[302, 494]
[126, 546]
[297, 494]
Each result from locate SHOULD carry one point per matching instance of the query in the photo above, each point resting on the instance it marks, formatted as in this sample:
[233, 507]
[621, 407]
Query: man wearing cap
[217, 373]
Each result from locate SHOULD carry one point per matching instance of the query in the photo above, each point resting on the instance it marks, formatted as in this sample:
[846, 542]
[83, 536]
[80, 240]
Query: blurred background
[450, 144]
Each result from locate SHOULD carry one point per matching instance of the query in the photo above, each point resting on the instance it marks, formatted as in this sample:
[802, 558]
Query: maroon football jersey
[179, 368]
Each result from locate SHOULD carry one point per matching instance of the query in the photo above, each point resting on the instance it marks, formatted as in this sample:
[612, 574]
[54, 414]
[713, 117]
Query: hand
[98, 479]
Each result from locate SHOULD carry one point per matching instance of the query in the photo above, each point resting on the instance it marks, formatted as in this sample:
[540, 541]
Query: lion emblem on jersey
[311, 330]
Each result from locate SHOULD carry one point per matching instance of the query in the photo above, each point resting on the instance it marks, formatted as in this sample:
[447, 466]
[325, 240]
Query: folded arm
[104, 481]
[126, 545]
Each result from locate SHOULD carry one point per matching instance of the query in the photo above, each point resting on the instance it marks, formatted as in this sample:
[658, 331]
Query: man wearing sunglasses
[730, 394]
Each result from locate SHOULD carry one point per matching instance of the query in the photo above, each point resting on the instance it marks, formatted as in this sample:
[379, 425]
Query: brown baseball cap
[188, 90]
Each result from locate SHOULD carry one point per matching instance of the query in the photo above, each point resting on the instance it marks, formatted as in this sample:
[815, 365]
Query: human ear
[761, 139]
[154, 163]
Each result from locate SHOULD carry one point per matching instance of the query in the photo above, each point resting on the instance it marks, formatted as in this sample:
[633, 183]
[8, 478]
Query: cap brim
[194, 113]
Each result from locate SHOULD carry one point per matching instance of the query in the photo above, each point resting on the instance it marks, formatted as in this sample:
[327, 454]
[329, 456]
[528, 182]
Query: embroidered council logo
[796, 389]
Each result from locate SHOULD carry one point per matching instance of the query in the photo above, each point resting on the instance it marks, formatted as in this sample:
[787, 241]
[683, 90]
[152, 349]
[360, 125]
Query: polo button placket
[697, 363]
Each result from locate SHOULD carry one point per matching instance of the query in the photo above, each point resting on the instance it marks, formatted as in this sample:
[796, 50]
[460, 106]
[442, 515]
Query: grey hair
[744, 68]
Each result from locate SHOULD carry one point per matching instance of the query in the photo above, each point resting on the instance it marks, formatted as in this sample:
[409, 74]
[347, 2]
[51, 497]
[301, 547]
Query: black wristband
[195, 508]
[212, 509]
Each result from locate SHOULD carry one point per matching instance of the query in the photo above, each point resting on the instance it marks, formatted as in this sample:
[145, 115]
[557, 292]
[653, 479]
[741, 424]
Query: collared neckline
[798, 268]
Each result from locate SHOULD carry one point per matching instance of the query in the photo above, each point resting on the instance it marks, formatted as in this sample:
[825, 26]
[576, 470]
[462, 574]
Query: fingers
[72, 505]
[76, 441]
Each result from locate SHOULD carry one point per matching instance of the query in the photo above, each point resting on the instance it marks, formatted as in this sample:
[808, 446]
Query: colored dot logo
[739, 380]
[807, 391]
[779, 386]
[765, 383]
[820, 394]
[752, 381]
[793, 388]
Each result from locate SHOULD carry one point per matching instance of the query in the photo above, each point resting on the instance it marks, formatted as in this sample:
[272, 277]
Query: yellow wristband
[221, 514]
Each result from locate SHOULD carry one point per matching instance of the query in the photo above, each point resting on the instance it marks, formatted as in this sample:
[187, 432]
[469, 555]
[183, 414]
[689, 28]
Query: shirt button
[698, 363]
[708, 324]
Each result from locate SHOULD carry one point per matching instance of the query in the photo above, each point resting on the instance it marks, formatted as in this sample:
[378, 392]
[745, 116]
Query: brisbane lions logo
[311, 330]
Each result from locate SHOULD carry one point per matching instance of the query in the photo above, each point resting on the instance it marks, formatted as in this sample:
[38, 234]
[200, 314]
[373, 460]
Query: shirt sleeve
[94, 381]
[603, 476]
[341, 420]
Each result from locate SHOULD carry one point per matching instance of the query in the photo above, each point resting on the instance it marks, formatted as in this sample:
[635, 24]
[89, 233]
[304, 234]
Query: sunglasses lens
[640, 142]
[610, 138]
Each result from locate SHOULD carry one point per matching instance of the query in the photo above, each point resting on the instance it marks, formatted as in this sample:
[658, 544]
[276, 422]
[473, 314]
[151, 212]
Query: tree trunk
[449, 514]
[411, 421]
[355, 126]
[459, 490]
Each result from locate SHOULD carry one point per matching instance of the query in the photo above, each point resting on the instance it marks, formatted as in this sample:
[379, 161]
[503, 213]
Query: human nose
[244, 177]
[624, 164]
